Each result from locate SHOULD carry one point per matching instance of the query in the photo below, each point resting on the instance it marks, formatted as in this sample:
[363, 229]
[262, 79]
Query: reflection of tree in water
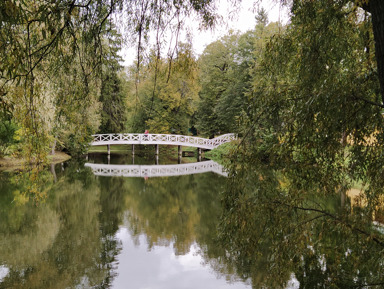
[279, 222]
[274, 223]
[111, 202]
[82, 214]
[180, 211]
[209, 206]
[69, 241]
[164, 209]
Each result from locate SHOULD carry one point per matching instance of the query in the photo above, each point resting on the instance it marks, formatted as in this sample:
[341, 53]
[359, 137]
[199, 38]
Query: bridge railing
[170, 139]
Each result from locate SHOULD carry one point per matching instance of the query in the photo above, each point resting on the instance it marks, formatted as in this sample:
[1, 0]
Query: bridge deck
[164, 139]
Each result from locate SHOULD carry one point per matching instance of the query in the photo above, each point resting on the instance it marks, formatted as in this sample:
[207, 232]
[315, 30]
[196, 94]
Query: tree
[112, 95]
[317, 90]
[261, 17]
[314, 129]
[167, 94]
[376, 8]
[223, 80]
[40, 38]
[225, 75]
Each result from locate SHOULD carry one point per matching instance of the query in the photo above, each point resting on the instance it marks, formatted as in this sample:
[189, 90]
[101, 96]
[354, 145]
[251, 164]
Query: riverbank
[221, 153]
[11, 163]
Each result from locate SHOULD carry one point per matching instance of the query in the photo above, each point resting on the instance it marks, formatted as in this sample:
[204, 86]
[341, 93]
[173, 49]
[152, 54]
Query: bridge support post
[157, 149]
[109, 149]
[133, 149]
[179, 154]
[198, 154]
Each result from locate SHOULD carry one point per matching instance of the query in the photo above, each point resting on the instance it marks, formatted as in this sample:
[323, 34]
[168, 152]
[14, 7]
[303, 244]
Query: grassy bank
[221, 153]
[114, 148]
[11, 163]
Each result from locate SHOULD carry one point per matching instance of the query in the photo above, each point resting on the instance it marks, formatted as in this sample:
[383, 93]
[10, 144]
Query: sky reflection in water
[160, 268]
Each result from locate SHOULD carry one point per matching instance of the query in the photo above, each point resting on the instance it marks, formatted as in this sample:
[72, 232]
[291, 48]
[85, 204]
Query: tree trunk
[376, 7]
[53, 147]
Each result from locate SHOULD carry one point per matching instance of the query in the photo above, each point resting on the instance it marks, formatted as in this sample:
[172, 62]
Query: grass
[12, 163]
[114, 148]
[221, 153]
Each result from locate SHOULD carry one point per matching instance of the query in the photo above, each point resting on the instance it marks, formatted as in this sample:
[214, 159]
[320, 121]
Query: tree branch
[333, 217]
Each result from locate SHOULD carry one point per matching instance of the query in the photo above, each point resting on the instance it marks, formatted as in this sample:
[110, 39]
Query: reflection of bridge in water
[147, 171]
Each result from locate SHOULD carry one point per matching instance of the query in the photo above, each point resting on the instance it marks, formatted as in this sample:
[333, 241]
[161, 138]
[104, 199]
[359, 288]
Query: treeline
[76, 95]
[208, 95]
[60, 76]
[310, 86]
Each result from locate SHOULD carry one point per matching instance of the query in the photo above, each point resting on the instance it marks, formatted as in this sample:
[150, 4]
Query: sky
[244, 21]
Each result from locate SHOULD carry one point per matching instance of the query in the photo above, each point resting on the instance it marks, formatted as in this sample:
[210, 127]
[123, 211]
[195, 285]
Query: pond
[142, 222]
[100, 231]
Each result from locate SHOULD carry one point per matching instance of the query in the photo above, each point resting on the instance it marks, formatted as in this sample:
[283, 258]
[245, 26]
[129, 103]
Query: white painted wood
[164, 139]
[147, 171]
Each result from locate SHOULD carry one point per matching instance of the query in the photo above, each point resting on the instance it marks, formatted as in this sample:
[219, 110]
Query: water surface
[112, 232]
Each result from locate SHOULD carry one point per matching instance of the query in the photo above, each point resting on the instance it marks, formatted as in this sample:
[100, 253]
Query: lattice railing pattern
[167, 139]
[156, 170]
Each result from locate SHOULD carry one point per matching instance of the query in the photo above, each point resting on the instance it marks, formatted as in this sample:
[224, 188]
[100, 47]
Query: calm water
[88, 231]
[263, 228]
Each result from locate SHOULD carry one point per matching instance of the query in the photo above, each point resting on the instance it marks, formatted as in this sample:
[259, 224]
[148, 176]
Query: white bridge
[164, 139]
[147, 171]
